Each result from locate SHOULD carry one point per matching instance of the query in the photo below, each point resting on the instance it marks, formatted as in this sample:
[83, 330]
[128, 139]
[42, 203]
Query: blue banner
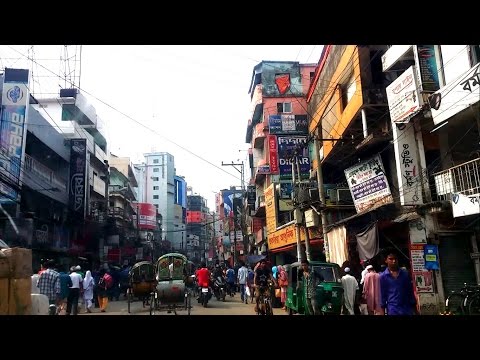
[286, 147]
[15, 101]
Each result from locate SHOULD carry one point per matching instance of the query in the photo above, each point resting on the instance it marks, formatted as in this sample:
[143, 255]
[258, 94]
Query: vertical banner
[407, 160]
[78, 174]
[427, 67]
[273, 154]
[15, 101]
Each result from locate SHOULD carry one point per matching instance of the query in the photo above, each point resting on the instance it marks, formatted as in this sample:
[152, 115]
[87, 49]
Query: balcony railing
[463, 179]
[45, 173]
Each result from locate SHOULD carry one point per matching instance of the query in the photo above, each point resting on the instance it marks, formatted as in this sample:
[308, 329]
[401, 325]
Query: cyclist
[262, 276]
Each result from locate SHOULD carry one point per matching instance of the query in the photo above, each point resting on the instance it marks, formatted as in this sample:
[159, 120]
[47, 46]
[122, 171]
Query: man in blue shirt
[396, 288]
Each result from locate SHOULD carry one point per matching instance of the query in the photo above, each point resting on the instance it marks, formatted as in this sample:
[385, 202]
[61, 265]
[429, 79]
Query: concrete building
[156, 185]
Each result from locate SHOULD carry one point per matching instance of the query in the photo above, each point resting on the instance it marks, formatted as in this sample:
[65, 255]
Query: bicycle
[460, 302]
[264, 301]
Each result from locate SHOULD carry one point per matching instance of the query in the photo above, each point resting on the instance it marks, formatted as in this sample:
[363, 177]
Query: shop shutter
[456, 265]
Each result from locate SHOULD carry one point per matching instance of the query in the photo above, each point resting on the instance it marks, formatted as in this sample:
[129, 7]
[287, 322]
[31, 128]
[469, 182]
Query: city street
[231, 306]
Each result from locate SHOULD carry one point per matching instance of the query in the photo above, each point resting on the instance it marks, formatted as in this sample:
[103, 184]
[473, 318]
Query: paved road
[231, 306]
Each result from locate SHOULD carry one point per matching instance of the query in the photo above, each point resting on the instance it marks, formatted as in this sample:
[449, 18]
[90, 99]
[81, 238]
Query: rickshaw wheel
[129, 299]
[152, 304]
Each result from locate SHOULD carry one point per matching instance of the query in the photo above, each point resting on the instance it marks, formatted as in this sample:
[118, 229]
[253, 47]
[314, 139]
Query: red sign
[273, 154]
[148, 216]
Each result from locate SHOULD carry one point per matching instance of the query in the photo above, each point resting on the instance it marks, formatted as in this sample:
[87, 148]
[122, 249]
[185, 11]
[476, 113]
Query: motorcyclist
[262, 275]
[203, 277]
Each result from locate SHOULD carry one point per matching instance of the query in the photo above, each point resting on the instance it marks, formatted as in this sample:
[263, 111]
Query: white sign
[368, 184]
[418, 260]
[404, 99]
[408, 169]
[417, 232]
[463, 205]
[456, 96]
[393, 54]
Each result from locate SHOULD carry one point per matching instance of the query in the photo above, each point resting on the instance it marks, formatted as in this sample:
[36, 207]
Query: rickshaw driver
[263, 273]
[311, 280]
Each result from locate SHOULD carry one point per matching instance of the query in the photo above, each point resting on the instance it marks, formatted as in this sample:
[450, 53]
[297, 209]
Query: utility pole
[321, 194]
[241, 171]
[297, 226]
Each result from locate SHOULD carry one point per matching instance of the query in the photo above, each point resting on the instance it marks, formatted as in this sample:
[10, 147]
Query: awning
[409, 216]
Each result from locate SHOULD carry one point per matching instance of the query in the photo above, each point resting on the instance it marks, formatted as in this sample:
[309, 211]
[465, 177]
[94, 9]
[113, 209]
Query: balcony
[260, 206]
[259, 135]
[463, 179]
[119, 212]
[41, 178]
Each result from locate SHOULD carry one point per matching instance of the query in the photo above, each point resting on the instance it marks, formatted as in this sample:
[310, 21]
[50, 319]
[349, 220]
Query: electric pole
[241, 171]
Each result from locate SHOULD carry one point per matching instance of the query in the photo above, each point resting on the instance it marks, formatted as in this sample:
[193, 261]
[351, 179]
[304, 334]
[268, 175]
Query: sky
[189, 101]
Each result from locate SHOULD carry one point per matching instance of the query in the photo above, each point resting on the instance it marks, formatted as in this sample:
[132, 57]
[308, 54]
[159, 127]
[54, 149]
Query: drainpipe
[364, 124]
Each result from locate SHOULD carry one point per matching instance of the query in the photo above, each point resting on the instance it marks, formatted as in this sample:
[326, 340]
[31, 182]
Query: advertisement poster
[78, 176]
[368, 184]
[148, 216]
[427, 68]
[286, 148]
[15, 97]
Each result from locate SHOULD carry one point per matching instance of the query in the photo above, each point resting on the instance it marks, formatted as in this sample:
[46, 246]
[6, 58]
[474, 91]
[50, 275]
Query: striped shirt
[49, 284]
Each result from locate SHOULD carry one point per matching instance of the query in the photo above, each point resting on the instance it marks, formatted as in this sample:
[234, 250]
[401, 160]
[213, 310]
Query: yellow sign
[270, 209]
[285, 236]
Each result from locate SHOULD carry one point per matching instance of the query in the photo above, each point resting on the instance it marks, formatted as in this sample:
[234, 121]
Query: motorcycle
[220, 288]
[204, 296]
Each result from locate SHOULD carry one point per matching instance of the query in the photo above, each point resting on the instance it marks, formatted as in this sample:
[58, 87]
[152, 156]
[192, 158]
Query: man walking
[350, 287]
[396, 288]
[310, 280]
[242, 280]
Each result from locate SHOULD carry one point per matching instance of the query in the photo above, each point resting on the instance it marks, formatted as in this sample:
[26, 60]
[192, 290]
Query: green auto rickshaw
[329, 292]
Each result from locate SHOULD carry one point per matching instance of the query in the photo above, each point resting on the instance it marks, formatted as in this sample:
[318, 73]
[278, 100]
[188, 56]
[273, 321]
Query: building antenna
[70, 66]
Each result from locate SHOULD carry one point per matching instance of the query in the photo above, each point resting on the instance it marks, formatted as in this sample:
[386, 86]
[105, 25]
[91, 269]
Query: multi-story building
[197, 240]
[64, 144]
[442, 135]
[121, 231]
[156, 185]
[278, 125]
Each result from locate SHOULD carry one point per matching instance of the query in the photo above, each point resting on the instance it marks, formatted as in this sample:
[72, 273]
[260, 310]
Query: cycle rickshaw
[141, 282]
[172, 291]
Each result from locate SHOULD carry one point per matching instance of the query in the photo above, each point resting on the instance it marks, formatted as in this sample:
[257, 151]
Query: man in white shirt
[242, 280]
[350, 287]
[74, 292]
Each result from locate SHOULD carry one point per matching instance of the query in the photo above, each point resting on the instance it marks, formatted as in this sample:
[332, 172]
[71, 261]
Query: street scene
[254, 180]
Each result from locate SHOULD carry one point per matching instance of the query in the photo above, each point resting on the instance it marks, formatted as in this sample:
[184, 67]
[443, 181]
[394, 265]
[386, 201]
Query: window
[155, 161]
[112, 204]
[348, 90]
[285, 107]
[156, 205]
[474, 54]
[156, 169]
[156, 188]
[312, 75]
[155, 197]
[155, 178]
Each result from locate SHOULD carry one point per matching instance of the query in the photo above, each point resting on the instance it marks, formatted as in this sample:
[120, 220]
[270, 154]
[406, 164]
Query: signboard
[286, 147]
[407, 161]
[421, 276]
[14, 109]
[263, 169]
[417, 232]
[426, 61]
[431, 257]
[463, 205]
[251, 195]
[368, 184]
[456, 96]
[273, 154]
[285, 236]
[403, 95]
[271, 209]
[288, 124]
[78, 173]
[148, 216]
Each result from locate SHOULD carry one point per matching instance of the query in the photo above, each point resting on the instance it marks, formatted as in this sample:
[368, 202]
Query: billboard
[368, 184]
[15, 101]
[286, 147]
[273, 154]
[228, 201]
[271, 209]
[78, 172]
[288, 124]
[148, 216]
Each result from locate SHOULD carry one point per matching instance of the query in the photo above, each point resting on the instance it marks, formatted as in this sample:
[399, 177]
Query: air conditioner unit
[340, 196]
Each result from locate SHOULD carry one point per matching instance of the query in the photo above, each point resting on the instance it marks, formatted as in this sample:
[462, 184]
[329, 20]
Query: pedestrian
[65, 284]
[250, 292]
[74, 291]
[102, 291]
[49, 284]
[310, 280]
[88, 285]
[242, 278]
[371, 291]
[283, 284]
[396, 288]
[350, 287]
